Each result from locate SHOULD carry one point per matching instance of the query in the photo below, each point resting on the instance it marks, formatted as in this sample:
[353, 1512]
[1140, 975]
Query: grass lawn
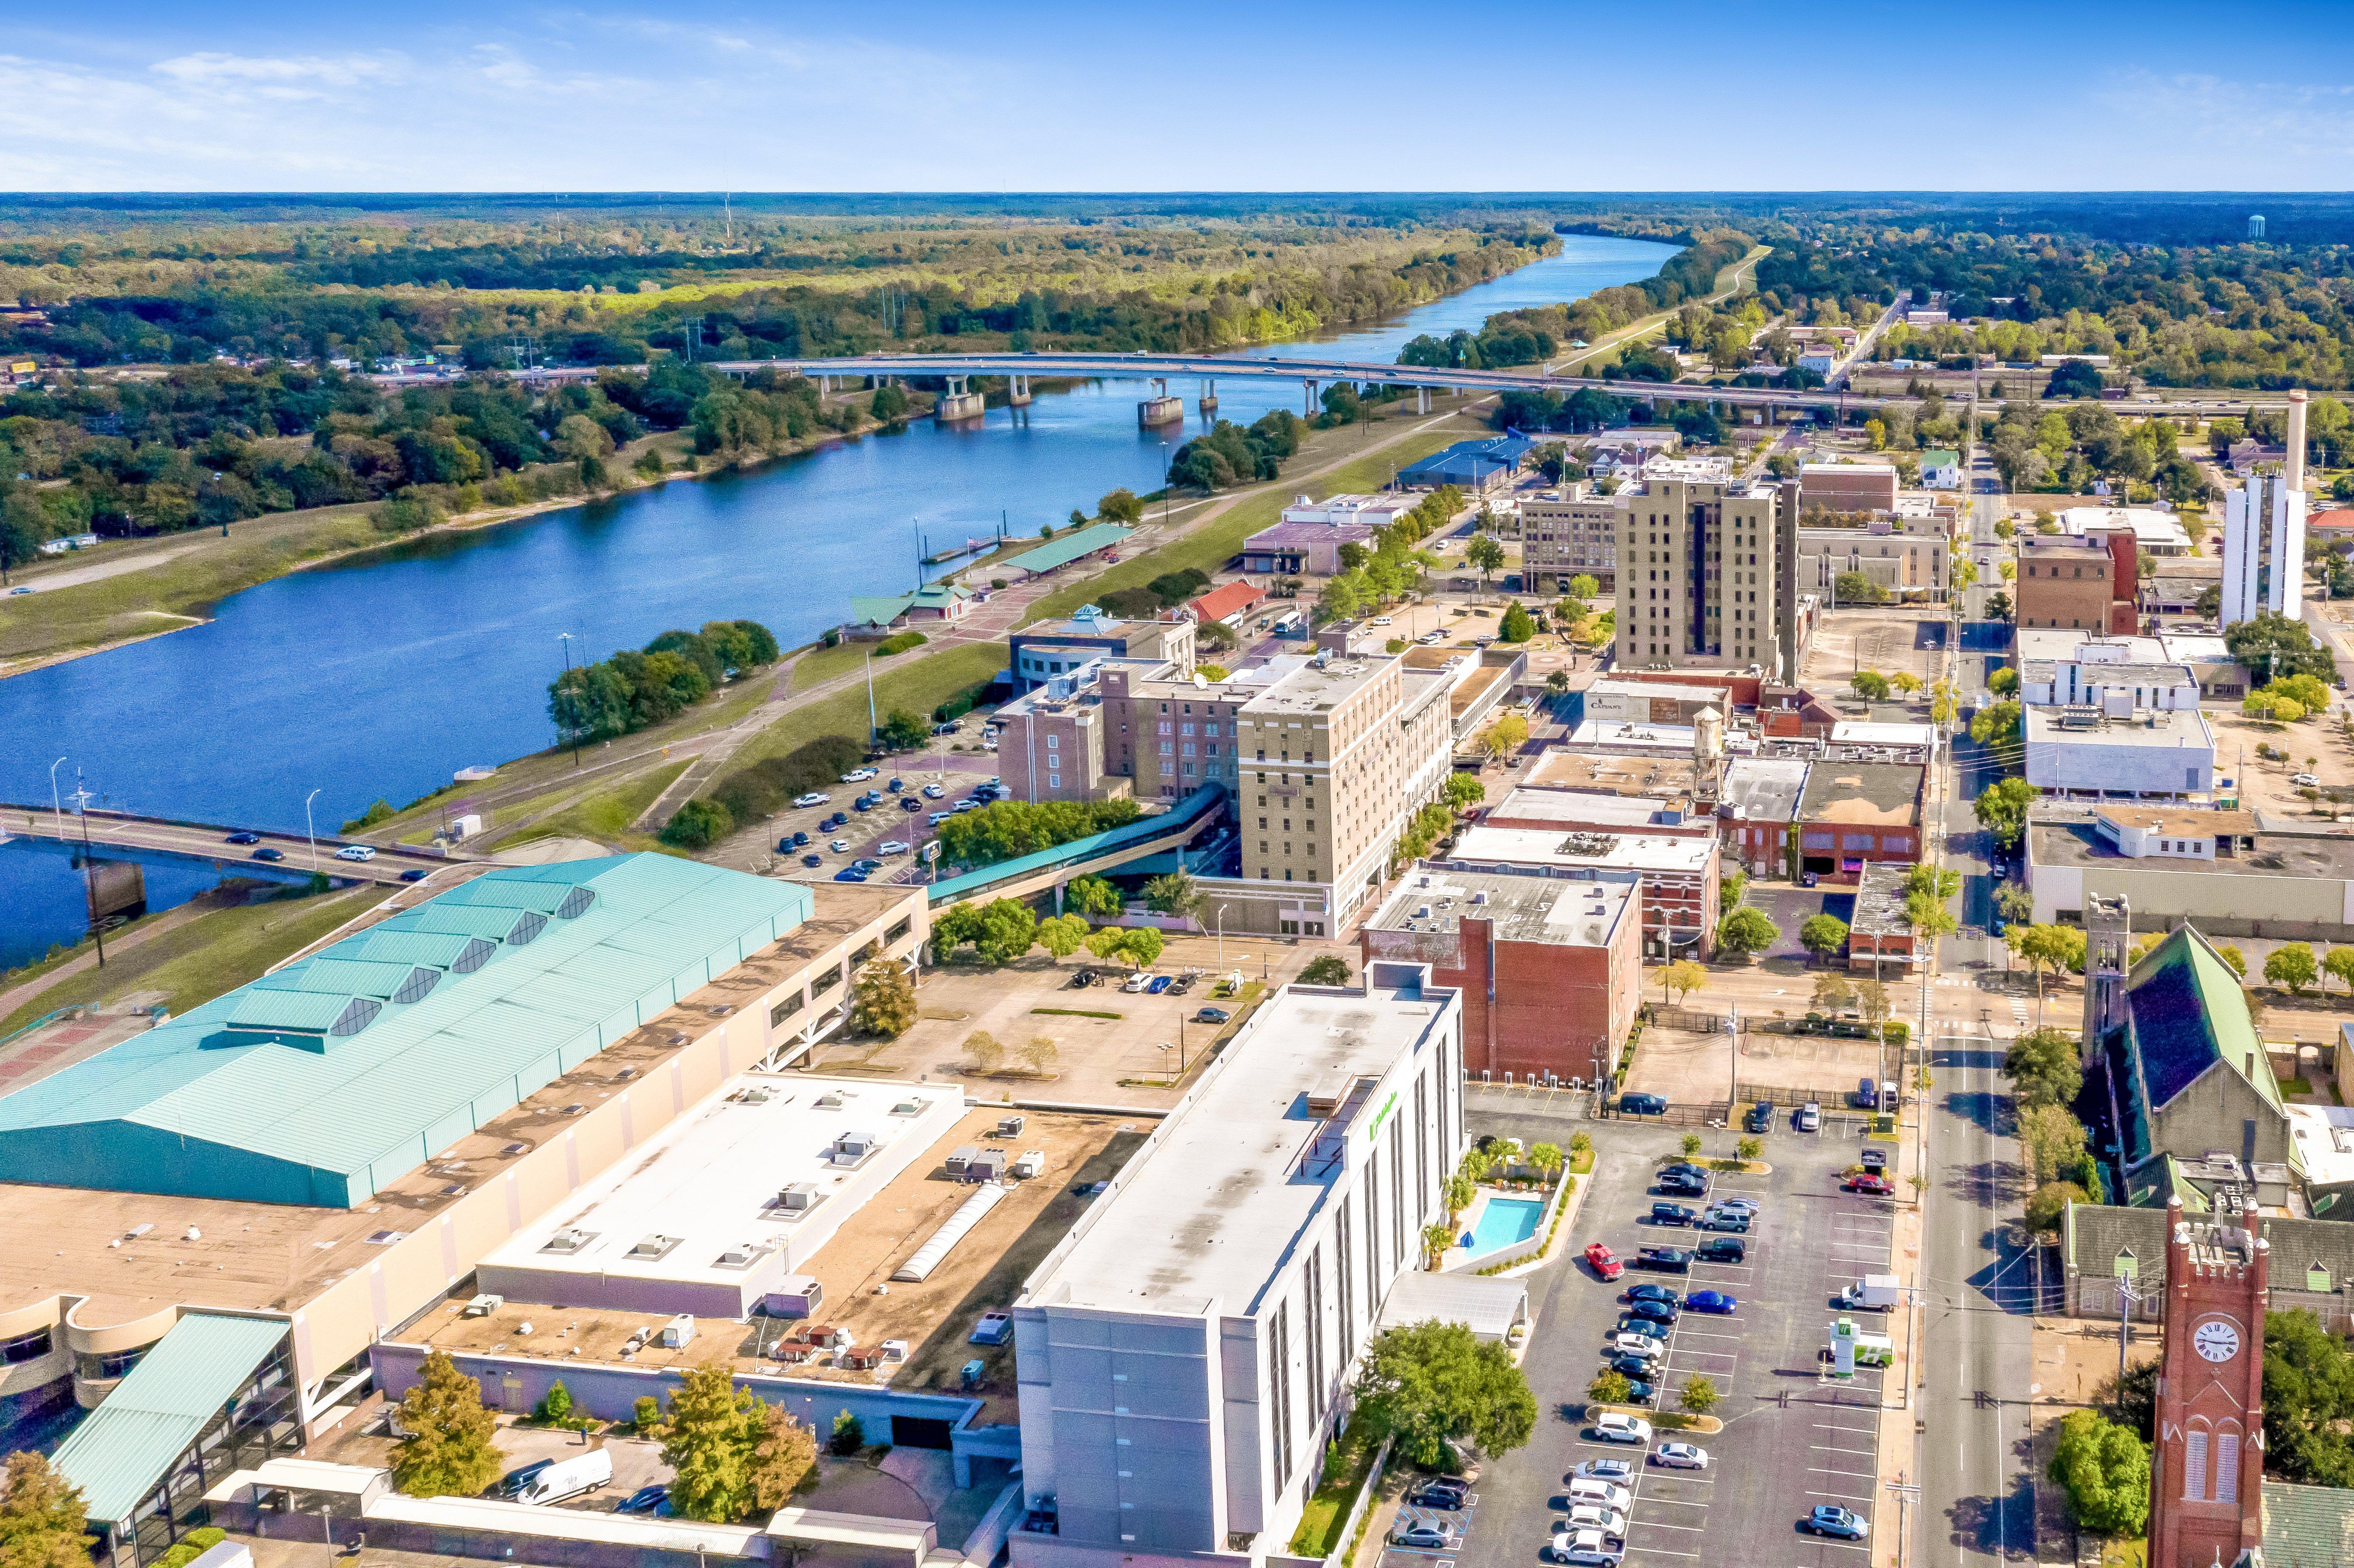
[193, 963]
[606, 815]
[920, 685]
[1327, 1506]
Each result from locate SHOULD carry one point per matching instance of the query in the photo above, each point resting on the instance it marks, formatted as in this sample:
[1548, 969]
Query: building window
[784, 1009]
[1278, 1351]
[2194, 1466]
[24, 1348]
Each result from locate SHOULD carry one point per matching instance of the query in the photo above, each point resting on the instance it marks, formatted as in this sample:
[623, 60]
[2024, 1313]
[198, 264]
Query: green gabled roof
[2189, 1012]
[1070, 547]
[124, 1446]
[433, 951]
[198, 1108]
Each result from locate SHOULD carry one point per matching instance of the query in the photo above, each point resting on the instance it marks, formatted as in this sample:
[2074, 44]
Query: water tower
[2256, 226]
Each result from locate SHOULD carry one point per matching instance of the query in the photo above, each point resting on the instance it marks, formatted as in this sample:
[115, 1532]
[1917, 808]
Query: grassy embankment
[602, 812]
[193, 963]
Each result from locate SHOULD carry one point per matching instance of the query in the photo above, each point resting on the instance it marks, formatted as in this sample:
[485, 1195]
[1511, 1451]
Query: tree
[1462, 789]
[2002, 725]
[783, 1453]
[1328, 969]
[1427, 1384]
[1040, 1055]
[2104, 1470]
[1998, 605]
[2292, 964]
[849, 1435]
[2043, 1068]
[1682, 975]
[2274, 645]
[1008, 928]
[1823, 935]
[1518, 625]
[708, 1437]
[1699, 1395]
[1485, 554]
[2308, 1401]
[1507, 734]
[1172, 893]
[983, 1048]
[1750, 1148]
[2047, 946]
[889, 404]
[1436, 1237]
[2048, 1205]
[1729, 889]
[1870, 684]
[1608, 1388]
[1142, 947]
[2339, 964]
[1062, 935]
[697, 824]
[904, 731]
[1547, 1159]
[2230, 953]
[1905, 680]
[1854, 588]
[1093, 897]
[43, 1521]
[2002, 810]
[2054, 1140]
[2004, 683]
[1834, 992]
[883, 1000]
[1120, 506]
[1746, 933]
[448, 1450]
[1691, 1145]
[556, 1405]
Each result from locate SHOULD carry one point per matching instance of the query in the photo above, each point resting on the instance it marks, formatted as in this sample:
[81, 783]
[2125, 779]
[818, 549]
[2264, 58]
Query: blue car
[1638, 1392]
[1160, 983]
[1629, 1366]
[1653, 1312]
[1654, 1293]
[849, 873]
[1715, 1302]
[812, 860]
[1845, 1523]
[645, 1500]
[1643, 1105]
[1649, 1328]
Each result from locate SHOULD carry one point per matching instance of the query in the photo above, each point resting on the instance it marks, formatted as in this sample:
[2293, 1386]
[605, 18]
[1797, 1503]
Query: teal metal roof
[363, 1086]
[122, 1448]
[1070, 547]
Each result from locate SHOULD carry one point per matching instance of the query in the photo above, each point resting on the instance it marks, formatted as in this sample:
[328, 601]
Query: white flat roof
[1488, 1307]
[2158, 528]
[1607, 733]
[2196, 649]
[1617, 851]
[1632, 813]
[2324, 1135]
[1207, 1213]
[709, 1185]
[2148, 727]
[547, 1521]
[1866, 732]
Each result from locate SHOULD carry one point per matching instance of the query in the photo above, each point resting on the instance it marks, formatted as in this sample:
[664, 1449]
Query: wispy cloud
[2249, 134]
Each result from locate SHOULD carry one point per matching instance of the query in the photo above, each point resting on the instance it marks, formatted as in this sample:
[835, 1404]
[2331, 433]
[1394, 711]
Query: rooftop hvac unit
[796, 1296]
[800, 1197]
[929, 1257]
[567, 1241]
[651, 1246]
[829, 1101]
[960, 1157]
[852, 1147]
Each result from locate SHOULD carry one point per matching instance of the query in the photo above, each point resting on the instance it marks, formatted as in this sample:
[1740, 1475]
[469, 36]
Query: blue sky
[2062, 94]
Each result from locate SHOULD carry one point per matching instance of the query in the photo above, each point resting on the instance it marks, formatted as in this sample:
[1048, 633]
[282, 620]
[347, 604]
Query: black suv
[1721, 1249]
[1671, 1214]
[1643, 1105]
[1760, 1116]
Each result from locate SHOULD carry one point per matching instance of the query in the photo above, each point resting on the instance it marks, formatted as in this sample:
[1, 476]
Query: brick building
[1569, 533]
[2089, 585]
[1550, 972]
[1847, 486]
[1757, 812]
[1855, 813]
[1677, 876]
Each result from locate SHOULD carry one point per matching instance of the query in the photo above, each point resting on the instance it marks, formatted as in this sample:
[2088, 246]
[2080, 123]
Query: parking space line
[1655, 1524]
[1680, 1502]
[1843, 1496]
[1853, 1475]
[1660, 1552]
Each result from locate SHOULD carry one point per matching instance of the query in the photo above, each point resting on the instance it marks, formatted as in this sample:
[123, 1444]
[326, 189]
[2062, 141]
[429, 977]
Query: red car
[1878, 1186]
[1603, 1262]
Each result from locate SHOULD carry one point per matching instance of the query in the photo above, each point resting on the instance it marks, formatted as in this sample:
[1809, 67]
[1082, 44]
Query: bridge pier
[1209, 394]
[1311, 384]
[1160, 408]
[1020, 395]
[958, 404]
[1422, 399]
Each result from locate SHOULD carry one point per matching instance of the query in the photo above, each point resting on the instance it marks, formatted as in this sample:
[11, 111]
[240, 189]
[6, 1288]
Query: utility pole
[565, 638]
[89, 867]
[1906, 1496]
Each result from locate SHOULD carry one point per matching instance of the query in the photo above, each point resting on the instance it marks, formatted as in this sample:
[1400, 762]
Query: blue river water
[380, 675]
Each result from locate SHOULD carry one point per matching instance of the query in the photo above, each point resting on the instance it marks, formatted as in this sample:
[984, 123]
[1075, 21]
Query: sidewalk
[1900, 1422]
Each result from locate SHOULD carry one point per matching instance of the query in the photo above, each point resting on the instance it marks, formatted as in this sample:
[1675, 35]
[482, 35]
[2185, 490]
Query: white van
[1601, 1494]
[581, 1474]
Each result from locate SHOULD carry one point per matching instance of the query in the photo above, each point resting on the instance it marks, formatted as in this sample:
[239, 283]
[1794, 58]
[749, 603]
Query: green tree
[2004, 683]
[2292, 964]
[1008, 928]
[1508, 734]
[1608, 1388]
[2046, 947]
[2002, 810]
[2308, 1401]
[2274, 645]
[2104, 1470]
[555, 1406]
[1142, 945]
[1682, 979]
[707, 1440]
[1699, 1395]
[447, 1450]
[1463, 790]
[1436, 1237]
[1517, 625]
[1483, 555]
[2048, 1205]
[1750, 1148]
[883, 1000]
[2043, 1068]
[1870, 684]
[43, 1521]
[1823, 935]
[904, 731]
[849, 1435]
[2053, 1140]
[784, 1452]
[987, 1054]
[2230, 953]
[1173, 893]
[697, 824]
[2338, 963]
[1729, 890]
[1062, 935]
[1854, 588]
[1427, 1383]
[1120, 506]
[1691, 1145]
[1093, 897]
[1327, 970]
[2000, 726]
[889, 404]
[1746, 933]
[1547, 1159]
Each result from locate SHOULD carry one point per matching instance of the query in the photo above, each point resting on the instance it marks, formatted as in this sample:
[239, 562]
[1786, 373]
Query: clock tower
[2205, 1504]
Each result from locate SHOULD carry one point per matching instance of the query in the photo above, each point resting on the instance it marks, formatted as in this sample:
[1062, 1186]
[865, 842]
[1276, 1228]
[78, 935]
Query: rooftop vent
[800, 1197]
[653, 1247]
[830, 1100]
[516, 1148]
[568, 1242]
[573, 1109]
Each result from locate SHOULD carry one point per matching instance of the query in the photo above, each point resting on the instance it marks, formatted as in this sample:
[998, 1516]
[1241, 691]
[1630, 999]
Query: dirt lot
[984, 1271]
[1115, 1060]
[1691, 1068]
[1888, 640]
[2264, 785]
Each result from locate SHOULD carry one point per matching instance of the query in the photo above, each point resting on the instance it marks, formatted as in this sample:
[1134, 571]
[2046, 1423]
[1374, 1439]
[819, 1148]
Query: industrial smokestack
[2293, 471]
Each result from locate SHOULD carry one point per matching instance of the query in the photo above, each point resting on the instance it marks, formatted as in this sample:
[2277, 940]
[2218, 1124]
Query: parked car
[1429, 1535]
[1647, 1291]
[1592, 1516]
[1642, 1346]
[572, 1477]
[1160, 983]
[2306, 781]
[1136, 982]
[1212, 1015]
[858, 776]
[1671, 1214]
[862, 804]
[1684, 1168]
[1875, 1159]
[1749, 1206]
[1643, 1327]
[1712, 1301]
[813, 799]
[1681, 1456]
[1811, 1118]
[1760, 1116]
[415, 873]
[645, 1500]
[1830, 1518]
[1617, 1429]
[911, 805]
[242, 837]
[1584, 1549]
[1448, 1492]
[849, 873]
[1603, 1261]
[1870, 1184]
[1673, 1259]
[891, 846]
[1640, 1393]
[812, 860]
[840, 846]
[1732, 1220]
[866, 864]
[896, 785]
[1617, 1471]
[1643, 1105]
[266, 852]
[933, 792]
[1721, 1249]
[1628, 1365]
[1654, 1311]
[516, 1479]
[1867, 1095]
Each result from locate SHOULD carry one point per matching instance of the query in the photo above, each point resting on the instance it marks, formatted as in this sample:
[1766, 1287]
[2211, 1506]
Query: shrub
[697, 825]
[899, 642]
[752, 792]
[848, 1435]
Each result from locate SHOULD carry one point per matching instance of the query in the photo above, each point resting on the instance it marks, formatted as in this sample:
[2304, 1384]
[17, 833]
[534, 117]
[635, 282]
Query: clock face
[2216, 1339]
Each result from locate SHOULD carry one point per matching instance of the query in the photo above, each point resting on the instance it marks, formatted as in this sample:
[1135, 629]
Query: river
[381, 674]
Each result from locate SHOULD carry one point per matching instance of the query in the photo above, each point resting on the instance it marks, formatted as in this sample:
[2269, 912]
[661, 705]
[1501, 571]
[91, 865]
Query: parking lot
[1793, 1438]
[887, 821]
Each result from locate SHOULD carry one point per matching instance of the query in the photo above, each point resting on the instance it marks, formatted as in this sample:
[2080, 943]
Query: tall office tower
[2264, 533]
[1704, 571]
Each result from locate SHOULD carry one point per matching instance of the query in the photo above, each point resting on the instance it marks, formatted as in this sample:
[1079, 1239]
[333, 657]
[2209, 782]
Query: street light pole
[310, 831]
[55, 807]
[565, 638]
[1222, 935]
[89, 868]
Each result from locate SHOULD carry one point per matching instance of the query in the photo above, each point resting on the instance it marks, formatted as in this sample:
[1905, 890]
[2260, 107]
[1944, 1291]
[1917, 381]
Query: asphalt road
[1977, 1496]
[1791, 1439]
[296, 853]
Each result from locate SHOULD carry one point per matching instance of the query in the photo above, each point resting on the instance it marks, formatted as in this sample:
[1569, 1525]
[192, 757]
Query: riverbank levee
[381, 674]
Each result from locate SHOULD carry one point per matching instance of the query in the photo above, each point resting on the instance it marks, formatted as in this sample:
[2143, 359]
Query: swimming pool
[1504, 1222]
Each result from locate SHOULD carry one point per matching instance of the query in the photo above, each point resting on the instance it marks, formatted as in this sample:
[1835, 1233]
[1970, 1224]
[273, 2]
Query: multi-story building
[1905, 557]
[1847, 486]
[1852, 813]
[1169, 737]
[1054, 743]
[1677, 876]
[1705, 573]
[1569, 533]
[2086, 584]
[2152, 754]
[1309, 535]
[1043, 650]
[2264, 548]
[1550, 972]
[1567, 811]
[1183, 1353]
[1334, 757]
[1757, 812]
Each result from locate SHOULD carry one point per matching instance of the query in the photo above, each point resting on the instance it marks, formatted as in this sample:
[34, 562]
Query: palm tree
[1435, 1239]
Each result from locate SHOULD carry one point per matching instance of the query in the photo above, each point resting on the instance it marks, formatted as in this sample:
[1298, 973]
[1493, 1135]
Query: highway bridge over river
[209, 841]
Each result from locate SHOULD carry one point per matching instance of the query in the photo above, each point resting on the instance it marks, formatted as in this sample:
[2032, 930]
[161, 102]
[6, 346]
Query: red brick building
[2207, 1466]
[1856, 812]
[1550, 971]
